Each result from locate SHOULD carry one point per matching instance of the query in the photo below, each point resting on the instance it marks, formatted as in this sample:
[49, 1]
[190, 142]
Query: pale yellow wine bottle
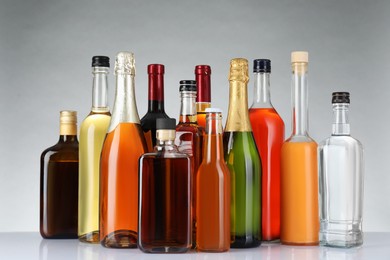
[92, 133]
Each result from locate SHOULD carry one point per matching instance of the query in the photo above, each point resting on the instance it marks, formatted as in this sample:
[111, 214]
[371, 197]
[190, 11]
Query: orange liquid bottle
[203, 96]
[213, 190]
[299, 175]
[268, 130]
[123, 146]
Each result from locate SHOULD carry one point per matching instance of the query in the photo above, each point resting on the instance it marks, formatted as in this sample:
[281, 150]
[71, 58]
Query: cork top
[299, 56]
[239, 70]
[125, 63]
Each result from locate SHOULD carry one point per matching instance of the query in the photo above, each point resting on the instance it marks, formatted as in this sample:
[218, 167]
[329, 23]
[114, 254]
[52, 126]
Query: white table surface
[30, 245]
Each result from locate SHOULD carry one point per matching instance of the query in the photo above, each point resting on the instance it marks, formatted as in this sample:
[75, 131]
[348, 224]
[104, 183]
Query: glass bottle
[165, 195]
[203, 97]
[189, 136]
[299, 177]
[59, 182]
[268, 130]
[213, 190]
[341, 181]
[155, 104]
[243, 160]
[123, 146]
[92, 133]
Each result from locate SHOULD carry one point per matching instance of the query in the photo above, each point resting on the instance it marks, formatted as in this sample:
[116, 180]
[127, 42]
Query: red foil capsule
[202, 77]
[156, 82]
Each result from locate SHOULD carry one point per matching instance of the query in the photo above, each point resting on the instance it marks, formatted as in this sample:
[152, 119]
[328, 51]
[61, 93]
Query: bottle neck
[188, 107]
[156, 93]
[299, 99]
[125, 107]
[68, 139]
[68, 132]
[340, 119]
[214, 133]
[238, 118]
[262, 93]
[100, 89]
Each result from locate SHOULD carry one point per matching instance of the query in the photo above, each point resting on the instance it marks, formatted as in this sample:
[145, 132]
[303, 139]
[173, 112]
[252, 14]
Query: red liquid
[268, 130]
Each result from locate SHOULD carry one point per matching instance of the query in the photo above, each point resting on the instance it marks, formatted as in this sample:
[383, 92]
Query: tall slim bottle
[123, 145]
[203, 97]
[340, 159]
[189, 137]
[268, 130]
[92, 133]
[299, 177]
[59, 182]
[155, 104]
[165, 195]
[243, 161]
[213, 190]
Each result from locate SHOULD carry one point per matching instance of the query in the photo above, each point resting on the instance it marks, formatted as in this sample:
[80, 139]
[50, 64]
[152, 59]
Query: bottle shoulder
[190, 127]
[152, 116]
[95, 121]
[300, 139]
[341, 140]
[61, 151]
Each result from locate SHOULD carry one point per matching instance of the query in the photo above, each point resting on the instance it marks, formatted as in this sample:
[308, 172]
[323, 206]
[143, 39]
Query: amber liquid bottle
[165, 195]
[123, 145]
[299, 175]
[213, 190]
[203, 97]
[59, 182]
[189, 136]
[155, 104]
[243, 160]
[268, 130]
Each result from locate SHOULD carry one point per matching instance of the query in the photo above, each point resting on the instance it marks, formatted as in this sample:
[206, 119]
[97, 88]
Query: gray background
[46, 49]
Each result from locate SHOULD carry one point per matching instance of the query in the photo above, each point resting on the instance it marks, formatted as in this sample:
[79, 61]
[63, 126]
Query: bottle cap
[165, 123]
[213, 110]
[187, 85]
[299, 56]
[262, 65]
[156, 69]
[202, 69]
[340, 97]
[68, 117]
[125, 63]
[100, 61]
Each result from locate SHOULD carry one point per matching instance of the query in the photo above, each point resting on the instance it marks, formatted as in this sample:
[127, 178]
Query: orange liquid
[119, 185]
[213, 198]
[299, 196]
[268, 130]
[201, 118]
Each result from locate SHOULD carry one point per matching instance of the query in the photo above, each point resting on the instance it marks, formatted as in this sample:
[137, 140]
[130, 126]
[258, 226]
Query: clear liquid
[92, 133]
[341, 191]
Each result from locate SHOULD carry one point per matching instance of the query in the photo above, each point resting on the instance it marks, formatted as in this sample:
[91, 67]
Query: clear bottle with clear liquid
[341, 180]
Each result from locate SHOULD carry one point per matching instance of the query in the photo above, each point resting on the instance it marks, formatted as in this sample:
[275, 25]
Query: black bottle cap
[100, 61]
[262, 65]
[187, 85]
[340, 97]
[166, 123]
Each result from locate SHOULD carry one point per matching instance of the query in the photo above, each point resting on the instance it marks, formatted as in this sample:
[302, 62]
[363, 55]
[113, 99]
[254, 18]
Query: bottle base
[120, 239]
[245, 242]
[91, 238]
[289, 243]
[160, 249]
[212, 250]
[341, 239]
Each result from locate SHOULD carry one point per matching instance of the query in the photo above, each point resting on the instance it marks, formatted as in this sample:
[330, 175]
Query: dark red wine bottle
[155, 104]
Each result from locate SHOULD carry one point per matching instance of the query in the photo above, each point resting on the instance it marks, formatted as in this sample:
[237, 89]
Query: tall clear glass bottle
[92, 133]
[268, 130]
[59, 182]
[203, 97]
[341, 168]
[165, 195]
[213, 190]
[155, 103]
[299, 176]
[124, 144]
[243, 161]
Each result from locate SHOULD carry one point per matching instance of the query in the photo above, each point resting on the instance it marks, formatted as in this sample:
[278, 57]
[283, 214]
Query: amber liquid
[59, 189]
[268, 130]
[213, 198]
[165, 204]
[119, 185]
[299, 196]
[201, 113]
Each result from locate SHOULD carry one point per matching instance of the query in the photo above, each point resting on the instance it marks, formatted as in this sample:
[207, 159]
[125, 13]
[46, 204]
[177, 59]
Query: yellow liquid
[92, 134]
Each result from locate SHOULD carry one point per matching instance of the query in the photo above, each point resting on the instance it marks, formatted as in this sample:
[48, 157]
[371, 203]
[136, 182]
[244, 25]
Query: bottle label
[184, 143]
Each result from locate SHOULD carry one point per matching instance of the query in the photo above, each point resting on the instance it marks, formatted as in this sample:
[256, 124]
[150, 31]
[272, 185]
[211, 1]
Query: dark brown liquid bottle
[59, 182]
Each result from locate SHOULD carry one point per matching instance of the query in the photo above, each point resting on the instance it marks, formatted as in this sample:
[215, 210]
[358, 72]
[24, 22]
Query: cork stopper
[68, 122]
[166, 129]
[239, 70]
[299, 56]
[125, 63]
